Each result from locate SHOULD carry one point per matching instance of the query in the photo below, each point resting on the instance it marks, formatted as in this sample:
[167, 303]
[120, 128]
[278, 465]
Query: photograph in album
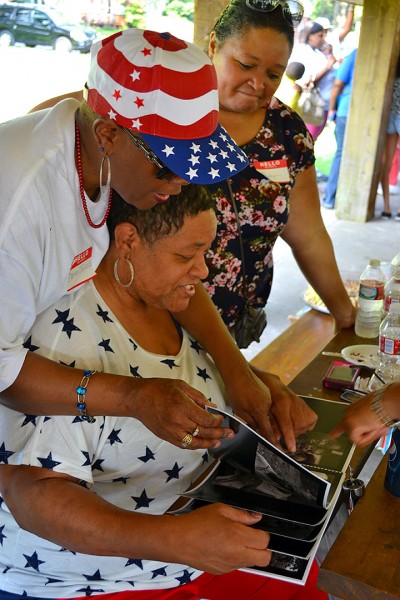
[295, 492]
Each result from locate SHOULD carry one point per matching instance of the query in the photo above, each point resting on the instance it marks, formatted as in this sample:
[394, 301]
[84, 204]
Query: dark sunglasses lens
[292, 10]
[165, 174]
[263, 5]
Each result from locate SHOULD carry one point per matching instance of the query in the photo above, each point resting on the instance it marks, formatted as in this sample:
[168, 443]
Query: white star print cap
[165, 90]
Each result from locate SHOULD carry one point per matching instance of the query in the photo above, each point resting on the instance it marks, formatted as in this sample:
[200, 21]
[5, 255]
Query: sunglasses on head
[292, 10]
[164, 172]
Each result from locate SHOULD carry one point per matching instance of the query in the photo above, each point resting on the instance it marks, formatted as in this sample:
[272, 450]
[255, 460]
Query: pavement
[354, 244]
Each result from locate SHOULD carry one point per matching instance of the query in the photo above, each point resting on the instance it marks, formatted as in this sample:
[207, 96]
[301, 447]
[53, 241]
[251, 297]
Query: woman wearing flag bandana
[148, 126]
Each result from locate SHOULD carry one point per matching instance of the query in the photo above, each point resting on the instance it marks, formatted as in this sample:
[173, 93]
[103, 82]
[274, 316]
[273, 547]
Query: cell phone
[341, 375]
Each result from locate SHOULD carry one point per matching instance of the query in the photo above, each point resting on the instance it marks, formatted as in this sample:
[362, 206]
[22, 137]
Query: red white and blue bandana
[165, 89]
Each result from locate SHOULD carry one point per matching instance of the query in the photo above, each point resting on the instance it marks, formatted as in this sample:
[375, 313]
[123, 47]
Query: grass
[106, 30]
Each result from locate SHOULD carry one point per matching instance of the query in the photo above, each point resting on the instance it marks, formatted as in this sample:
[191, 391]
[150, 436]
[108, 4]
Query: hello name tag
[275, 170]
[81, 269]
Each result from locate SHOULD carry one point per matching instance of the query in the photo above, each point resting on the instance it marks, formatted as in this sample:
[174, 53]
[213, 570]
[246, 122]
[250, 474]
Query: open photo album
[295, 492]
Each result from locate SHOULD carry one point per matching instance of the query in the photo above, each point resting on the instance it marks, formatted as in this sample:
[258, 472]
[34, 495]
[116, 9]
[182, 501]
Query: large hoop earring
[105, 189]
[117, 279]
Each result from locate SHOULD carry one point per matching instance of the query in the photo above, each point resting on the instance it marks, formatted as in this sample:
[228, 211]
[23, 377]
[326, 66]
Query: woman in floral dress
[277, 193]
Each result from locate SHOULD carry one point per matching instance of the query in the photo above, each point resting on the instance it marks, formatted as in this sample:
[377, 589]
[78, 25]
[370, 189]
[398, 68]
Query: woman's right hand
[330, 62]
[172, 409]
[362, 424]
[218, 539]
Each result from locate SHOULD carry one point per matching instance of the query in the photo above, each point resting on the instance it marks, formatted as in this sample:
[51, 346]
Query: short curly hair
[162, 219]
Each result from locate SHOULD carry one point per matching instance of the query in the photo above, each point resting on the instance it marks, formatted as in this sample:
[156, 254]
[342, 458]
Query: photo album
[295, 492]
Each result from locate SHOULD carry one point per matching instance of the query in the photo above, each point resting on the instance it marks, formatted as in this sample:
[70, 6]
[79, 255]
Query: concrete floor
[354, 244]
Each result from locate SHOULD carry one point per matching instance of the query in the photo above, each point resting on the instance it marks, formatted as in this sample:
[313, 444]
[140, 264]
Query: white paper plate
[320, 306]
[363, 355]
[351, 284]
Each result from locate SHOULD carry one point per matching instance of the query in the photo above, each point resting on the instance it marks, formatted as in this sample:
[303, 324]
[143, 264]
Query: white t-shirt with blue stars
[118, 458]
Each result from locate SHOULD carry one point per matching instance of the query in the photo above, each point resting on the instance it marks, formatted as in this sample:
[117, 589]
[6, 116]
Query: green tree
[135, 13]
[324, 8]
[181, 8]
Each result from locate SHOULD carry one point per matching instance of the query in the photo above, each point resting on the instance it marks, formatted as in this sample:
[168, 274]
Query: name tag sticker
[81, 269]
[275, 170]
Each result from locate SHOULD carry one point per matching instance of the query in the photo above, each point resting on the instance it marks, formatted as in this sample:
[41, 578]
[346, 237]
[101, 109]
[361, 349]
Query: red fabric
[394, 171]
[235, 586]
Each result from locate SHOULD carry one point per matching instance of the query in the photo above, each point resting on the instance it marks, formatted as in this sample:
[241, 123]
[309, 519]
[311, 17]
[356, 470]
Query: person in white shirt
[145, 129]
[319, 68]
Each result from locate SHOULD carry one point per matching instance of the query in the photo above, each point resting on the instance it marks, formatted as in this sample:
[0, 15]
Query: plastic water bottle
[395, 265]
[389, 345]
[392, 291]
[370, 300]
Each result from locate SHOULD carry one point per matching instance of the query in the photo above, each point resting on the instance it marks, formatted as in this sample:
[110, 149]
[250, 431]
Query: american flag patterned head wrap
[164, 89]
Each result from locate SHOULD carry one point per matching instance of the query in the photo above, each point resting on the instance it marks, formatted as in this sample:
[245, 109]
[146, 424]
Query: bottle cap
[375, 262]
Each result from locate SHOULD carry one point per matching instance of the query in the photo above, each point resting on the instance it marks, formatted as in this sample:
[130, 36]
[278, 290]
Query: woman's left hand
[346, 320]
[250, 400]
[290, 415]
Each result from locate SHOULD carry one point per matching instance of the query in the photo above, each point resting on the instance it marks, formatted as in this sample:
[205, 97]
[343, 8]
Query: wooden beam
[206, 13]
[367, 121]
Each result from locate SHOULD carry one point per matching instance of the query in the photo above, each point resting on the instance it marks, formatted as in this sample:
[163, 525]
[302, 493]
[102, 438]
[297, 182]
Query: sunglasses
[164, 173]
[292, 10]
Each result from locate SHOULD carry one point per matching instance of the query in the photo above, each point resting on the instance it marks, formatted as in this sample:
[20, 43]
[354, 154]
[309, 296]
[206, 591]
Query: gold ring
[187, 440]
[196, 431]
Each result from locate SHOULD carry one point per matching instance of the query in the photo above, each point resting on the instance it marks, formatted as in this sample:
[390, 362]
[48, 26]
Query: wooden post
[367, 121]
[206, 13]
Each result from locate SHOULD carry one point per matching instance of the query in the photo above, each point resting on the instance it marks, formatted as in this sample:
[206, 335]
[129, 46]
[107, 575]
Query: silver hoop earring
[117, 279]
[105, 189]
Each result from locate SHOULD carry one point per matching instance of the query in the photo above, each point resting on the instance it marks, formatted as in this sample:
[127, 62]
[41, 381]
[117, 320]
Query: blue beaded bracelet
[81, 391]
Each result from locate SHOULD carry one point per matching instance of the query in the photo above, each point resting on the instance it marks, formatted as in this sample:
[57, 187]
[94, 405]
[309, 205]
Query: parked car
[35, 25]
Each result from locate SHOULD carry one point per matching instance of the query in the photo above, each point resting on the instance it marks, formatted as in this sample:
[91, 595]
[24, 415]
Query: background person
[129, 477]
[319, 67]
[336, 36]
[339, 107]
[392, 139]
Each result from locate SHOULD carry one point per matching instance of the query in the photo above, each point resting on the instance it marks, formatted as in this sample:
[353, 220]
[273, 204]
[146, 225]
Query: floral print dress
[282, 148]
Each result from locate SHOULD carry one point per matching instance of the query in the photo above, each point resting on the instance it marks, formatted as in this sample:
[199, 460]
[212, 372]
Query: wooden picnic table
[364, 561]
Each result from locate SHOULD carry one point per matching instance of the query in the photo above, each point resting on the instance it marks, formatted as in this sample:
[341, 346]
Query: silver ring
[196, 431]
[187, 440]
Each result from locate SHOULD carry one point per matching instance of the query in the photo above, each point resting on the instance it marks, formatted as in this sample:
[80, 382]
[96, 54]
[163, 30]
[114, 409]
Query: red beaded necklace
[81, 188]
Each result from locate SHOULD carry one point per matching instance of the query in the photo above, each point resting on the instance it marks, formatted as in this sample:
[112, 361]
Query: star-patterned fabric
[205, 160]
[165, 89]
[263, 206]
[117, 458]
